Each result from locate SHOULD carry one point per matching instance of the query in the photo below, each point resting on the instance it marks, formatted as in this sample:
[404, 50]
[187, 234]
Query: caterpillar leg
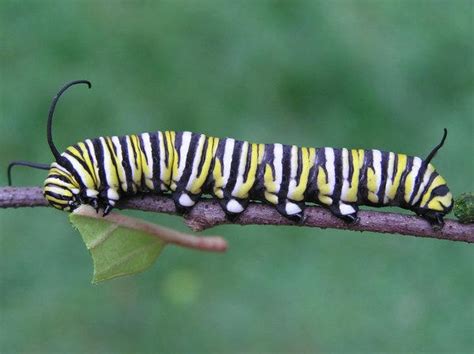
[291, 210]
[346, 212]
[106, 199]
[233, 207]
[434, 218]
[184, 201]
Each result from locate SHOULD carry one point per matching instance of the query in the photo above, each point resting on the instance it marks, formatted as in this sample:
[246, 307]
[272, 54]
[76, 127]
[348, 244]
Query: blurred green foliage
[382, 74]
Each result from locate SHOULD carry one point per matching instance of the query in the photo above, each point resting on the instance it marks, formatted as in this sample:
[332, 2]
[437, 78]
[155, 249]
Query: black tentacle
[436, 148]
[40, 166]
[55, 151]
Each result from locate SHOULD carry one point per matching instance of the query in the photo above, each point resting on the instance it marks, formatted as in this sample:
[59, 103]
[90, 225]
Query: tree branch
[208, 213]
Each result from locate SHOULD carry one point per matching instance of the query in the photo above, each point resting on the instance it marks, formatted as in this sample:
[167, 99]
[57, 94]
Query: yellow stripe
[323, 187]
[261, 152]
[137, 177]
[114, 182]
[401, 165]
[85, 175]
[172, 166]
[202, 175]
[438, 202]
[218, 178]
[57, 201]
[119, 162]
[298, 193]
[269, 183]
[372, 185]
[145, 165]
[58, 190]
[351, 195]
[438, 181]
[247, 185]
[87, 159]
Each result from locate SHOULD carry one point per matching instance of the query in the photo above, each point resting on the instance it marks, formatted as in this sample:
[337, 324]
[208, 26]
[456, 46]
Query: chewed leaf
[116, 250]
[121, 245]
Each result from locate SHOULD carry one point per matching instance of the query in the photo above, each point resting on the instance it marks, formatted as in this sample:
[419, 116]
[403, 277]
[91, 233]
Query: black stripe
[428, 184]
[418, 181]
[155, 155]
[234, 169]
[336, 194]
[299, 163]
[189, 161]
[99, 156]
[401, 190]
[78, 159]
[286, 173]
[246, 172]
[350, 161]
[203, 156]
[384, 176]
[91, 157]
[113, 153]
[126, 164]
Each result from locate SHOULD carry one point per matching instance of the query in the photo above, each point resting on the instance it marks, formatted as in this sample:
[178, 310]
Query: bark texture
[208, 213]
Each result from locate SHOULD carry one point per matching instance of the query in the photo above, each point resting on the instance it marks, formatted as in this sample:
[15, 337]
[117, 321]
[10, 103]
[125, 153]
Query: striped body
[100, 171]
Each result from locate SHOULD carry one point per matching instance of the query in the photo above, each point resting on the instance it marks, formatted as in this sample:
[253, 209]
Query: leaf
[121, 245]
[116, 250]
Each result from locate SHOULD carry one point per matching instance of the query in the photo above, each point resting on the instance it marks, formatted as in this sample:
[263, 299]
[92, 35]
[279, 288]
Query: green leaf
[116, 250]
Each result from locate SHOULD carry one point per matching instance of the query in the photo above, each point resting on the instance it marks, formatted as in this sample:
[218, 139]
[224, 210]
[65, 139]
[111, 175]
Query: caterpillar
[188, 165]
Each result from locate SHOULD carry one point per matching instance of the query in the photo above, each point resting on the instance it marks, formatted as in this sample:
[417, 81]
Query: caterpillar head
[61, 189]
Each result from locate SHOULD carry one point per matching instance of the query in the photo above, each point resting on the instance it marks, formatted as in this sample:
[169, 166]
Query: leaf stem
[202, 243]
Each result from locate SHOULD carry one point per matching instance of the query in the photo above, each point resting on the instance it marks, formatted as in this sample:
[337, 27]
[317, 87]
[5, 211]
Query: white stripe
[197, 160]
[107, 163]
[377, 163]
[429, 171]
[57, 190]
[329, 154]
[183, 153]
[59, 167]
[227, 161]
[241, 171]
[162, 145]
[414, 170]
[118, 148]
[94, 161]
[58, 182]
[390, 169]
[293, 170]
[345, 173]
[77, 167]
[278, 165]
[149, 157]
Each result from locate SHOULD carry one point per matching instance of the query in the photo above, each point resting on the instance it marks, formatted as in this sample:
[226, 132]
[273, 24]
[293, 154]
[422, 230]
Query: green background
[369, 74]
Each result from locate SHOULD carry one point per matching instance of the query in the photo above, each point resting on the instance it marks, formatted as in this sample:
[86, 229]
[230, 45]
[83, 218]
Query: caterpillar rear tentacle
[101, 171]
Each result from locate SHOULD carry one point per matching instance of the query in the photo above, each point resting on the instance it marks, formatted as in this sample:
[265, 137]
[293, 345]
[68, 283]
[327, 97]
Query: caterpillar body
[188, 165]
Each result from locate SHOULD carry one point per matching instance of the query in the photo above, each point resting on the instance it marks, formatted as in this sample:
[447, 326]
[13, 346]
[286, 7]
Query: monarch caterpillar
[100, 171]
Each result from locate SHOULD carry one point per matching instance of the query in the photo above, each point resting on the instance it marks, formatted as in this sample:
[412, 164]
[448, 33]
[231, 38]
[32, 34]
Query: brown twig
[208, 213]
